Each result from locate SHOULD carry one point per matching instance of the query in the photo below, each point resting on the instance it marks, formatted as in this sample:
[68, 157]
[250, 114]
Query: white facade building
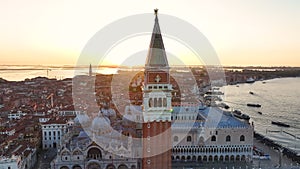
[52, 132]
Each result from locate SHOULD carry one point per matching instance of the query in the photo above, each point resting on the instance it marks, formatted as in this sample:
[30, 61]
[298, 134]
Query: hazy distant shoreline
[22, 72]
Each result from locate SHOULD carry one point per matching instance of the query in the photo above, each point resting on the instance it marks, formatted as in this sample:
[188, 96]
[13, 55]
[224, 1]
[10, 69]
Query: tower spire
[90, 70]
[156, 53]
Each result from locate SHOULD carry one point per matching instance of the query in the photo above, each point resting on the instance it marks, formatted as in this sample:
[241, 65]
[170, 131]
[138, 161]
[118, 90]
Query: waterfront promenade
[286, 163]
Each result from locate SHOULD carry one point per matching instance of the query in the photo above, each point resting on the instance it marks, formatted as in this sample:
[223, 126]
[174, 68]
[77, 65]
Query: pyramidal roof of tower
[156, 53]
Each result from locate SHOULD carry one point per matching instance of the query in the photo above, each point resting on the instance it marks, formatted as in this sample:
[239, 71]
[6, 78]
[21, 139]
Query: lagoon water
[280, 100]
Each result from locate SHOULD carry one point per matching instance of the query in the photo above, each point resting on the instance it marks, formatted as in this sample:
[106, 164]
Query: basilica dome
[101, 125]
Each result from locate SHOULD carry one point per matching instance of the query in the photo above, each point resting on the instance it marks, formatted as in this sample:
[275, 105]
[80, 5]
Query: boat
[214, 92]
[250, 80]
[240, 115]
[223, 105]
[251, 92]
[212, 97]
[259, 113]
[262, 157]
[253, 105]
[278, 123]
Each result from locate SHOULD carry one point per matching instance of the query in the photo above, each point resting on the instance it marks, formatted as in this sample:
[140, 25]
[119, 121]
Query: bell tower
[157, 105]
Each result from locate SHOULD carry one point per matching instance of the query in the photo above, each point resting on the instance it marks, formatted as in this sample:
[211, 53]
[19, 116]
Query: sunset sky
[243, 32]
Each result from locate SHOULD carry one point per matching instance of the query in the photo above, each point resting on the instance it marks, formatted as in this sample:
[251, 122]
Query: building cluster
[24, 107]
[19, 141]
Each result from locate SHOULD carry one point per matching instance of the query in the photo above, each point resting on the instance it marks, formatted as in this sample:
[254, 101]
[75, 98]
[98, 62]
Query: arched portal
[93, 165]
[122, 166]
[232, 158]
[210, 158]
[204, 158]
[199, 158]
[76, 167]
[227, 158]
[64, 167]
[221, 158]
[110, 166]
[238, 158]
[243, 158]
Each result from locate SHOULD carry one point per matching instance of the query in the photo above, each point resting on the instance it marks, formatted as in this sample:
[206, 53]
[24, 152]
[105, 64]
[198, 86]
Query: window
[155, 102]
[159, 104]
[228, 139]
[165, 102]
[175, 138]
[216, 132]
[242, 138]
[213, 138]
[189, 138]
[150, 102]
